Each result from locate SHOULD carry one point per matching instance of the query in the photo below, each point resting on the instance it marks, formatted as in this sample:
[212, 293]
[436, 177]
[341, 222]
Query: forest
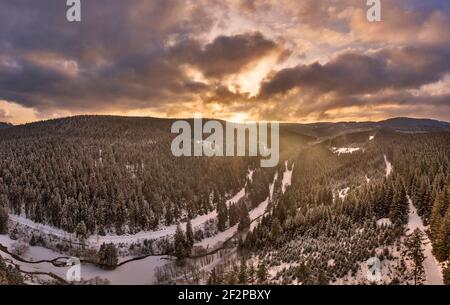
[350, 200]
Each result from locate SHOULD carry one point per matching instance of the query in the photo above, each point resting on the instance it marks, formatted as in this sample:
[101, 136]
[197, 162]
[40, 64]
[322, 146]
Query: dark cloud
[225, 54]
[352, 73]
[128, 54]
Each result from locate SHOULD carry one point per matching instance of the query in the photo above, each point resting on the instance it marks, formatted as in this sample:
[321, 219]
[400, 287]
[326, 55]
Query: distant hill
[5, 125]
[138, 127]
[330, 130]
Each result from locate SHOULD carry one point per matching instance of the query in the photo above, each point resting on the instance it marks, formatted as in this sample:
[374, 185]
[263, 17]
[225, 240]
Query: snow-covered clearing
[287, 177]
[384, 222]
[433, 270]
[388, 166]
[343, 193]
[250, 175]
[344, 150]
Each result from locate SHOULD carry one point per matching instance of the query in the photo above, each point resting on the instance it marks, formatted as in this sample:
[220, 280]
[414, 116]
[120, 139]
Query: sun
[239, 117]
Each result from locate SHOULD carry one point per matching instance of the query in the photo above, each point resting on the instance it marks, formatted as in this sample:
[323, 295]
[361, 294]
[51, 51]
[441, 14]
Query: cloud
[288, 60]
[352, 73]
[225, 54]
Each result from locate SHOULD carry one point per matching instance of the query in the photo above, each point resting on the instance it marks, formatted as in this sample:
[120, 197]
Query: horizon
[220, 119]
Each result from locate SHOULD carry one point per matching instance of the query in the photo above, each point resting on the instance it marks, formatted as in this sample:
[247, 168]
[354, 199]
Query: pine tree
[81, 230]
[441, 242]
[243, 277]
[244, 221]
[189, 235]
[414, 251]
[213, 278]
[233, 215]
[262, 273]
[399, 207]
[108, 257]
[322, 278]
[9, 275]
[276, 228]
[446, 275]
[302, 273]
[3, 220]
[180, 244]
[222, 215]
[251, 274]
[437, 214]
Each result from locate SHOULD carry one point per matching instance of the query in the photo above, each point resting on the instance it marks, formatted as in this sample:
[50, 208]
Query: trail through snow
[433, 270]
[388, 166]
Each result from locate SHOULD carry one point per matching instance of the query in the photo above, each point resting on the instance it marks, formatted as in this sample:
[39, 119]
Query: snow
[45, 229]
[371, 138]
[287, 177]
[97, 240]
[384, 222]
[139, 272]
[433, 270]
[344, 150]
[367, 179]
[134, 272]
[254, 214]
[250, 175]
[272, 185]
[388, 166]
[343, 193]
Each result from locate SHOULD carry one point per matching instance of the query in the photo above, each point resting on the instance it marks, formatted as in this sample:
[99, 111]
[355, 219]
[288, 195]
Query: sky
[240, 60]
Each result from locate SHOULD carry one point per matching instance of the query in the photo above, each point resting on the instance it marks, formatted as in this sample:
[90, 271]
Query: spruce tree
[244, 221]
[189, 235]
[180, 244]
[251, 274]
[262, 273]
[414, 251]
[446, 275]
[3, 220]
[275, 229]
[222, 215]
[108, 256]
[441, 244]
[242, 276]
